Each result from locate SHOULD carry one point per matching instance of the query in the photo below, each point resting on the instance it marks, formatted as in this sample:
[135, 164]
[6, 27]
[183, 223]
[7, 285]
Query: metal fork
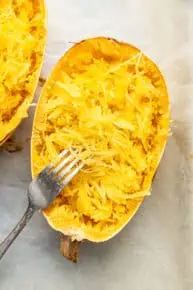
[43, 190]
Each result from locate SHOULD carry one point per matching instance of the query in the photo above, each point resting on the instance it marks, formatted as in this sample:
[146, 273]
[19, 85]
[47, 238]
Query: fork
[43, 190]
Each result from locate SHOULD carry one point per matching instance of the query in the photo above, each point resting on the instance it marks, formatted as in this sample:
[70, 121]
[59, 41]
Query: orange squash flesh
[109, 102]
[22, 45]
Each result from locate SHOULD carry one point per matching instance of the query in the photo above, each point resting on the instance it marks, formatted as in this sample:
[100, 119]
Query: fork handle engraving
[4, 246]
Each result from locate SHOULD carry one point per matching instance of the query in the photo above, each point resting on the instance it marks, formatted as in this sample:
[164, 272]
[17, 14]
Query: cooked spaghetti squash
[22, 42]
[108, 102]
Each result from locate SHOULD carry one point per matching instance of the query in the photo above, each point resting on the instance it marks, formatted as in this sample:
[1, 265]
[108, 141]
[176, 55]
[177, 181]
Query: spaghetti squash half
[22, 44]
[108, 102]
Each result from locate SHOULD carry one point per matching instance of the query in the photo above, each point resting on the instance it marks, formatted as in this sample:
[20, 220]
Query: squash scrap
[109, 102]
[22, 34]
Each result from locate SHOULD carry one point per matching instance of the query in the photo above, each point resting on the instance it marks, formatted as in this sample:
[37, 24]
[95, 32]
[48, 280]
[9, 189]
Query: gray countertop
[155, 250]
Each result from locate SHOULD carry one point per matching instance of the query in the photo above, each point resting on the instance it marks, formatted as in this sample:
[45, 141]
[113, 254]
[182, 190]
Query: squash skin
[79, 234]
[8, 126]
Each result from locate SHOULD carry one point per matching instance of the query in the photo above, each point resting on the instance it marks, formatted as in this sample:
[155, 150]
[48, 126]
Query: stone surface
[155, 250]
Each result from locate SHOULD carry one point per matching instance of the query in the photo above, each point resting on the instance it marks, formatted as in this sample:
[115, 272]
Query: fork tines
[65, 167]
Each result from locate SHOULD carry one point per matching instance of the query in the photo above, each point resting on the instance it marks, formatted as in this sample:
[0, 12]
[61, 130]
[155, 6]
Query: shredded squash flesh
[109, 103]
[22, 41]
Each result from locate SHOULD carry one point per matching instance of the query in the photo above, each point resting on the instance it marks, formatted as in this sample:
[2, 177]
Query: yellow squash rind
[101, 61]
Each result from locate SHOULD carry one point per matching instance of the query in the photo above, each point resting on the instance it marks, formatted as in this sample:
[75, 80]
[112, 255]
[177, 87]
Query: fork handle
[4, 246]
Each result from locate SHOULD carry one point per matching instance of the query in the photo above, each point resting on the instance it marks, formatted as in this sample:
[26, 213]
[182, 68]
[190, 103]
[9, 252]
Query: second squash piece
[22, 45]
